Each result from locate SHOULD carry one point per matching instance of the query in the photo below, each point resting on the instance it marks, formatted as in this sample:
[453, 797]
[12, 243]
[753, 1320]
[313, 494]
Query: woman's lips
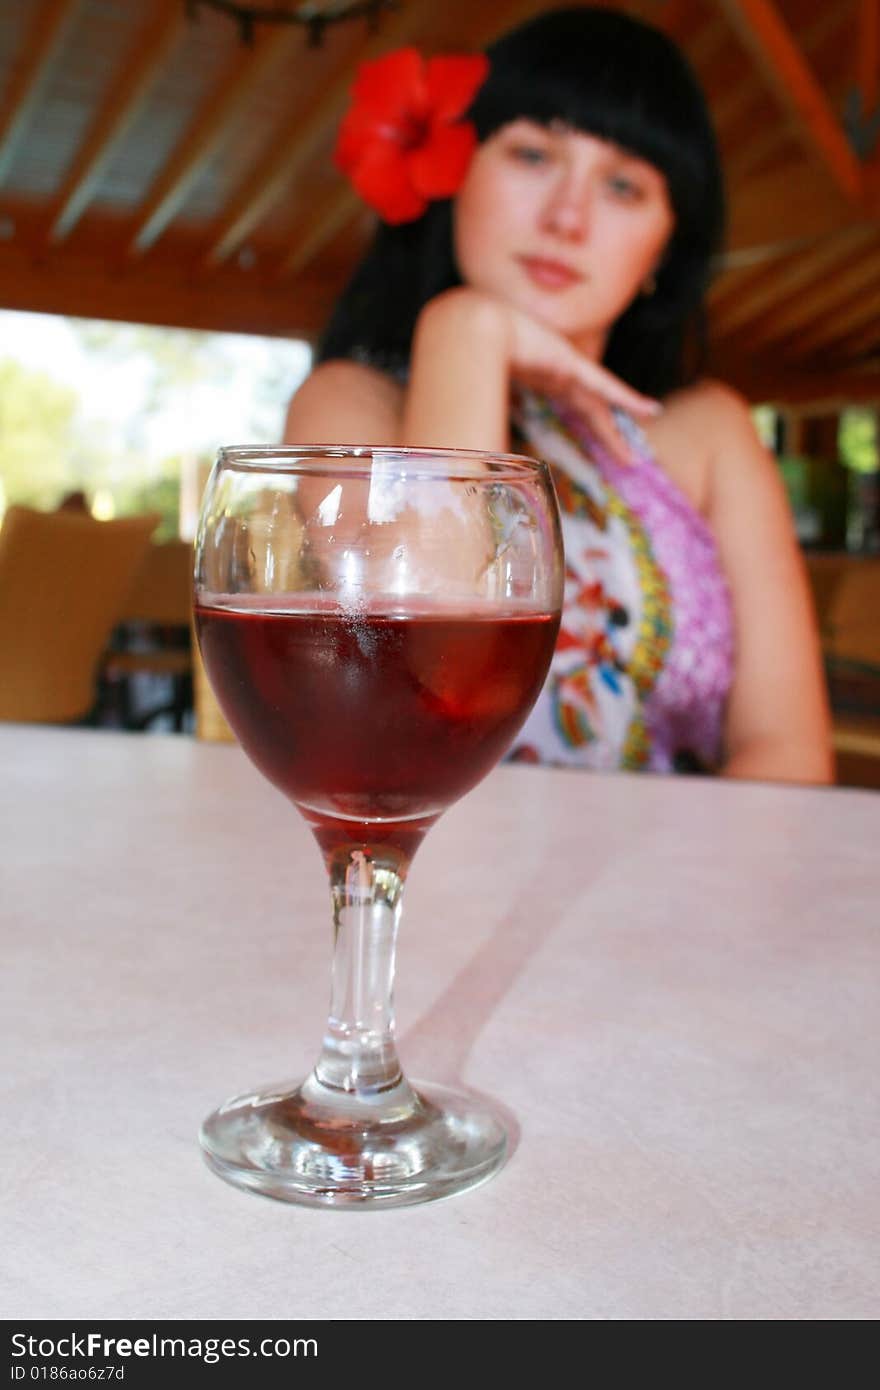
[550, 275]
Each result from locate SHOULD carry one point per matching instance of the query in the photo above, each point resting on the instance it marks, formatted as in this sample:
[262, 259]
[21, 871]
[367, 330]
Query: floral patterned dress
[644, 661]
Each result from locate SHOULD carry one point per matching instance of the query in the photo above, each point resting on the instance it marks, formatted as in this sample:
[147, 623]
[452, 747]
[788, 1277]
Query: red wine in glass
[373, 723]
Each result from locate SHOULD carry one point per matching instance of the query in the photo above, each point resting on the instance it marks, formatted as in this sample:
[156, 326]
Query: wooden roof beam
[765, 35]
[733, 100]
[160, 290]
[868, 55]
[822, 295]
[672, 16]
[45, 41]
[320, 227]
[122, 107]
[858, 312]
[781, 283]
[223, 109]
[764, 382]
[863, 338]
[804, 208]
[296, 147]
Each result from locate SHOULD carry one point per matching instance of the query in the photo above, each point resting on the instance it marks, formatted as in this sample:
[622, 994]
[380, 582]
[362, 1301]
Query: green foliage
[52, 442]
[178, 358]
[857, 439]
[158, 493]
[795, 474]
[38, 444]
[764, 420]
[818, 493]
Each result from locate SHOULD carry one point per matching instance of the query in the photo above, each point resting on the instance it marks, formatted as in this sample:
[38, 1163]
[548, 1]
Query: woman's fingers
[544, 358]
[539, 351]
[596, 412]
[600, 418]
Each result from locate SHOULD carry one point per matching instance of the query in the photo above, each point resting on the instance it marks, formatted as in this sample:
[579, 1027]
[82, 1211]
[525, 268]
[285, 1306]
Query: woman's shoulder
[741, 481]
[700, 427]
[707, 421]
[707, 402]
[347, 402]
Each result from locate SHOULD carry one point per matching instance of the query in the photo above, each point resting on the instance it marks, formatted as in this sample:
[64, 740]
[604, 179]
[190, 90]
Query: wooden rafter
[672, 16]
[736, 99]
[726, 285]
[113, 122]
[856, 345]
[780, 284]
[769, 142]
[89, 277]
[47, 37]
[856, 310]
[295, 148]
[322, 224]
[765, 217]
[816, 387]
[211, 127]
[765, 35]
[868, 55]
[822, 296]
[703, 44]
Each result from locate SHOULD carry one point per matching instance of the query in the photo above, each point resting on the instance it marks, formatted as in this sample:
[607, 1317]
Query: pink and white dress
[644, 661]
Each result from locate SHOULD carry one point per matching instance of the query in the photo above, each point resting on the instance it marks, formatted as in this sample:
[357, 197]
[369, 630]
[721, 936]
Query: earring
[649, 284]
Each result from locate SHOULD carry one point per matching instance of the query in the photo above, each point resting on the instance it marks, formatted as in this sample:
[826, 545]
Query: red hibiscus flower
[402, 142]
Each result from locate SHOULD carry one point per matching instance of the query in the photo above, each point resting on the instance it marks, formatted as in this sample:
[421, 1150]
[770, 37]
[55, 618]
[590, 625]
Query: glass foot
[325, 1148]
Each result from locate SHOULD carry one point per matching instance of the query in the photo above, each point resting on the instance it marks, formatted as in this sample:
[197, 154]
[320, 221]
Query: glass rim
[304, 458]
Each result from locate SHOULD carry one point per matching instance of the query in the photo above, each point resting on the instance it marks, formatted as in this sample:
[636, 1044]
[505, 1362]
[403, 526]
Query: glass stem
[358, 1055]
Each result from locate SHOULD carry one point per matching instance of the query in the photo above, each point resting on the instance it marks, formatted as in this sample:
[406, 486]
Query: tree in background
[859, 452]
[38, 444]
[177, 395]
[186, 374]
[858, 439]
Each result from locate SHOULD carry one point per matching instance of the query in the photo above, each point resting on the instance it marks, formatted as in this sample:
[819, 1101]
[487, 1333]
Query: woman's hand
[498, 345]
[547, 362]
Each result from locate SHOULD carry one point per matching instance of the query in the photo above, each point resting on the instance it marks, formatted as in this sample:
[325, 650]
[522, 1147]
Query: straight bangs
[603, 106]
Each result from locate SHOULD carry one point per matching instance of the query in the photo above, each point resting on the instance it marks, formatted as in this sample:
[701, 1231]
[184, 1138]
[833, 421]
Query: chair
[852, 662]
[153, 637]
[63, 582]
[825, 571]
[853, 615]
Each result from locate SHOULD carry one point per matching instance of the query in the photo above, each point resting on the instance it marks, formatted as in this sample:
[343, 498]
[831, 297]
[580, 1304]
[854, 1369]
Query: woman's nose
[567, 210]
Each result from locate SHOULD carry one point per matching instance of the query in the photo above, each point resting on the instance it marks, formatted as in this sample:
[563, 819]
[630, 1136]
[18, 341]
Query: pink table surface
[672, 986]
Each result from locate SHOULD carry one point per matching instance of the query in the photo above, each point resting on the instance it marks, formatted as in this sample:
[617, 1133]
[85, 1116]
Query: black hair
[607, 74]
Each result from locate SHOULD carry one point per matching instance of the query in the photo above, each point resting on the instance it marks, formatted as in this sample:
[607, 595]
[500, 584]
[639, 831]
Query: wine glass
[376, 625]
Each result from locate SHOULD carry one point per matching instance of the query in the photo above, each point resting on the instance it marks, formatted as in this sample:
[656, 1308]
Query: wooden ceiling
[154, 168]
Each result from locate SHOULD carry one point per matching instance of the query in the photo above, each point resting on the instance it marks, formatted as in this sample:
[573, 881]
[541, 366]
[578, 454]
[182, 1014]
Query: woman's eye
[529, 154]
[624, 188]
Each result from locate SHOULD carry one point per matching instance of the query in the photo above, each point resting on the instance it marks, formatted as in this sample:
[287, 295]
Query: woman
[554, 306]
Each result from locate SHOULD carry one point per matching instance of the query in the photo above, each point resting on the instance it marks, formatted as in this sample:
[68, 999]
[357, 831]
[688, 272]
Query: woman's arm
[778, 725]
[345, 403]
[468, 349]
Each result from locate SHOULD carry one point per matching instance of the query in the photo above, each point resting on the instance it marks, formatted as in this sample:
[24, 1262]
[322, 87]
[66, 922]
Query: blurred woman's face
[565, 226]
